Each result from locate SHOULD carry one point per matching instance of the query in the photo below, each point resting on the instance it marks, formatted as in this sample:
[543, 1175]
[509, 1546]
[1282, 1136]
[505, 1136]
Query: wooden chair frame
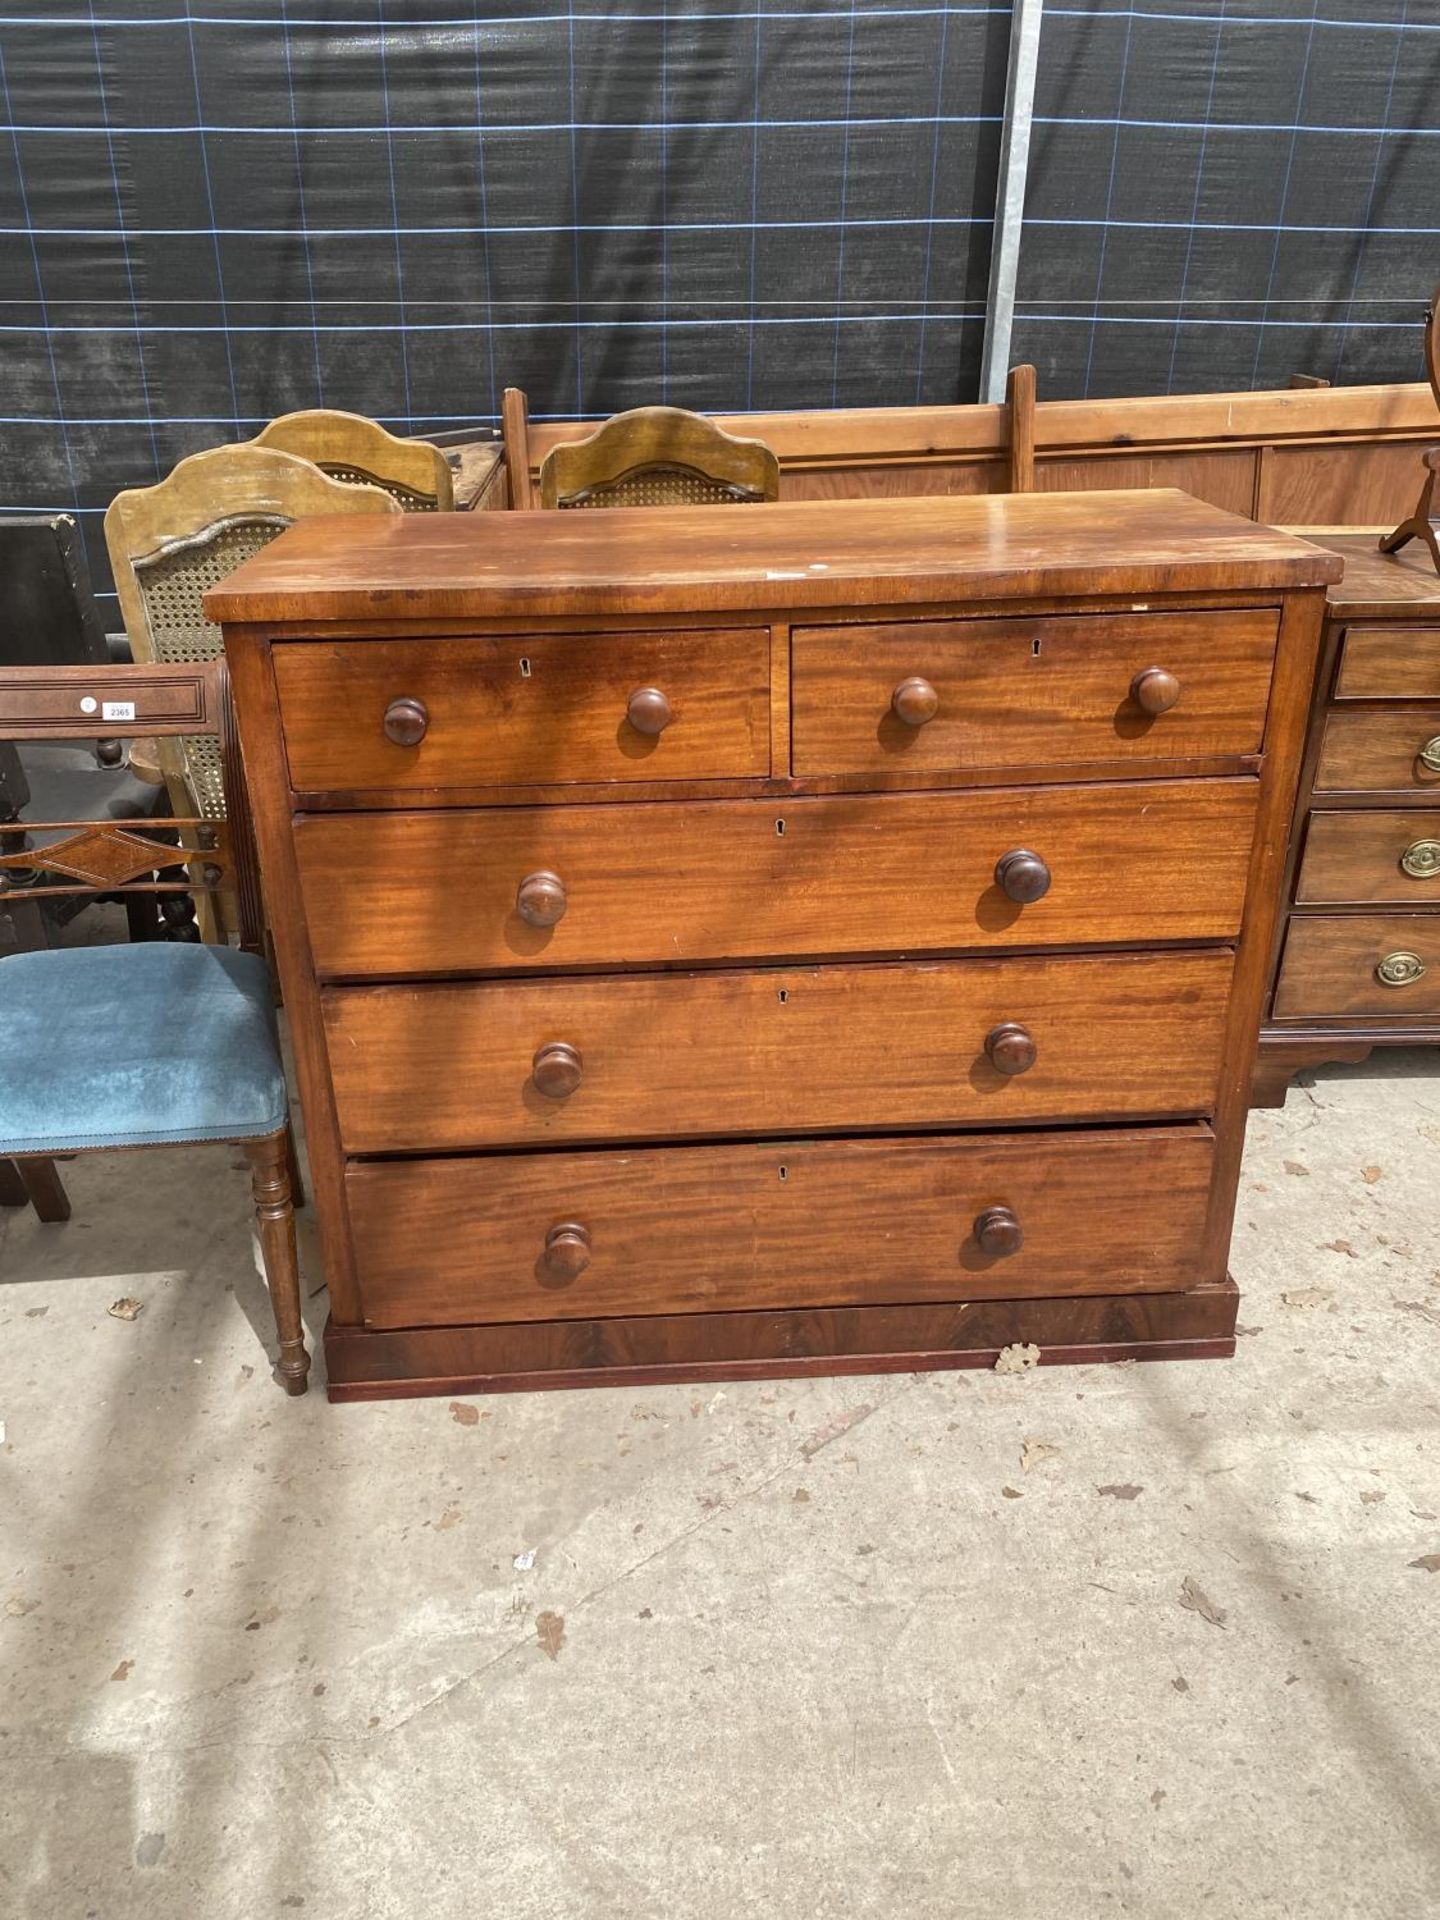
[124, 857]
[656, 439]
[360, 452]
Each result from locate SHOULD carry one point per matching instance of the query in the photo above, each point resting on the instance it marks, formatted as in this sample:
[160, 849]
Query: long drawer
[1394, 749]
[418, 714]
[681, 1229]
[1360, 964]
[786, 1049]
[1380, 855]
[660, 883]
[936, 694]
[1389, 663]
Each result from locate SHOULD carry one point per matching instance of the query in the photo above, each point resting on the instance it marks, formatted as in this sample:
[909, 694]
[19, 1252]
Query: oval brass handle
[915, 701]
[999, 1232]
[540, 898]
[406, 722]
[557, 1069]
[1022, 876]
[1010, 1047]
[1155, 690]
[1429, 755]
[567, 1251]
[1400, 970]
[1421, 860]
[648, 711]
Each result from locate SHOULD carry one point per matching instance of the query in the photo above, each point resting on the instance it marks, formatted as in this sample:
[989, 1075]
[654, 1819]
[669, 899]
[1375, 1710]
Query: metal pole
[1025, 18]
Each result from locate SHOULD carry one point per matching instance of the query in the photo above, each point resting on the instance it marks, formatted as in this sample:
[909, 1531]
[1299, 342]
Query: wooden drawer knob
[1010, 1047]
[1421, 860]
[915, 701]
[1429, 755]
[556, 1070]
[999, 1232]
[567, 1251]
[406, 722]
[540, 899]
[1400, 970]
[1022, 876]
[648, 711]
[1155, 690]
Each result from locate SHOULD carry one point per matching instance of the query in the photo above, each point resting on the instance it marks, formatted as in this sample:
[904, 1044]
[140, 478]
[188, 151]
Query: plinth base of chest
[401, 1363]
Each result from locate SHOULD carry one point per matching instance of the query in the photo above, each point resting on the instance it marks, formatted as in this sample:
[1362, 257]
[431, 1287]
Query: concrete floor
[908, 1646]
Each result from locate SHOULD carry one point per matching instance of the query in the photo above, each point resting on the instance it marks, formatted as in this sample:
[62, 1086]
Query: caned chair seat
[134, 1046]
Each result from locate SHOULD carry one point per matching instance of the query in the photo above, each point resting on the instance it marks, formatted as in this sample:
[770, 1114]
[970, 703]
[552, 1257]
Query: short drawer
[815, 1049]
[1389, 663]
[955, 694]
[525, 711]
[1393, 749]
[837, 1223]
[1385, 964]
[662, 883]
[1357, 858]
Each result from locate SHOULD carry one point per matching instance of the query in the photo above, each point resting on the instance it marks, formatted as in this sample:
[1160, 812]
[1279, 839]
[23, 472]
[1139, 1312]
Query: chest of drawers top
[786, 557]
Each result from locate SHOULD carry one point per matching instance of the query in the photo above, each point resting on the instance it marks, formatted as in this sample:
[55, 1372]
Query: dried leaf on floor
[1122, 1490]
[1372, 1496]
[451, 1517]
[1297, 1167]
[1194, 1600]
[464, 1416]
[122, 1672]
[550, 1632]
[1371, 1174]
[1341, 1246]
[1247, 1333]
[1308, 1296]
[1033, 1452]
[1012, 1493]
[1429, 1562]
[1180, 1684]
[125, 1308]
[1419, 1308]
[1017, 1359]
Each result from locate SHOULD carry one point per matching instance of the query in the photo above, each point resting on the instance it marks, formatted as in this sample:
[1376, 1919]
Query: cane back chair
[149, 1044]
[170, 543]
[659, 457]
[361, 453]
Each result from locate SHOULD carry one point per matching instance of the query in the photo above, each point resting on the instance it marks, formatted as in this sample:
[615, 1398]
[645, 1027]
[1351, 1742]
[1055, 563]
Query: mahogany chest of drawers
[801, 938]
[1357, 960]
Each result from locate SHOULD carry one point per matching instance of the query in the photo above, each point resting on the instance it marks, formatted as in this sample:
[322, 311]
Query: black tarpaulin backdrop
[211, 213]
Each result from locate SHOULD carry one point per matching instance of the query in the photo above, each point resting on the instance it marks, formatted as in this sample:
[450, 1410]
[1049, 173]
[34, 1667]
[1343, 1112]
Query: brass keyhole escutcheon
[1400, 970]
[1422, 860]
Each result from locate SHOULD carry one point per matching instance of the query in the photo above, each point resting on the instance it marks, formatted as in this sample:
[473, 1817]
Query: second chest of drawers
[808, 938]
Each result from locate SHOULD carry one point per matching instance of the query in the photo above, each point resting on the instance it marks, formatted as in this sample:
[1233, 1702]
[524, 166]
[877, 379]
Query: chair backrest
[47, 611]
[361, 453]
[659, 457]
[190, 855]
[170, 543]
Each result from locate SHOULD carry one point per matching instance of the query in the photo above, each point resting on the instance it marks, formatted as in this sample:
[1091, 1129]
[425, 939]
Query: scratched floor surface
[1149, 1640]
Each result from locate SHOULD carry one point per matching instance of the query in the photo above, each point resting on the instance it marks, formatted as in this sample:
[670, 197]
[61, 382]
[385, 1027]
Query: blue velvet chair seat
[132, 1046]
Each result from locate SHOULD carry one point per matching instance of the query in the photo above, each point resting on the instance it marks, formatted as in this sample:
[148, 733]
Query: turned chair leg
[275, 1215]
[47, 1195]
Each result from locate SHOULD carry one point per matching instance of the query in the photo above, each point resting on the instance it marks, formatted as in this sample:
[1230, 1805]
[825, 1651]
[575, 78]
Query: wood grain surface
[715, 1229]
[1355, 858]
[735, 879]
[1328, 968]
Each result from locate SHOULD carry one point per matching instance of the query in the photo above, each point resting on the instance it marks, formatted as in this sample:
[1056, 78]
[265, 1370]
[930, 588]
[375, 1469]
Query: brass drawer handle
[1154, 690]
[915, 701]
[1422, 860]
[1400, 970]
[1429, 755]
[557, 1069]
[648, 710]
[406, 722]
[999, 1232]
